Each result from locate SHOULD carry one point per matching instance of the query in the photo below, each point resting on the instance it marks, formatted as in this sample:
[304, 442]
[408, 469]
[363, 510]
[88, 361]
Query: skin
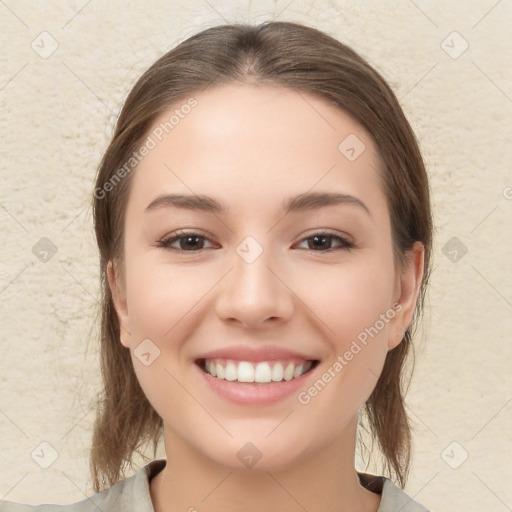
[250, 147]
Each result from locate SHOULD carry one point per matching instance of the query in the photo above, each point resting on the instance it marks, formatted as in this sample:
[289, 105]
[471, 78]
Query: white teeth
[262, 372]
[245, 372]
[298, 371]
[231, 371]
[277, 372]
[288, 372]
[221, 374]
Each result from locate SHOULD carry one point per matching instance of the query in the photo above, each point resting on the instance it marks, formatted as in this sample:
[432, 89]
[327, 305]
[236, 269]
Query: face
[259, 294]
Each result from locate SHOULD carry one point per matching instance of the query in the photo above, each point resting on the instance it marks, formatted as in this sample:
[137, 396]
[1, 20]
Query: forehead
[252, 140]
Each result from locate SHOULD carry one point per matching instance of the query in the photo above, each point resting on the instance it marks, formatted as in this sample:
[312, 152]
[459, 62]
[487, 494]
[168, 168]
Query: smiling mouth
[262, 372]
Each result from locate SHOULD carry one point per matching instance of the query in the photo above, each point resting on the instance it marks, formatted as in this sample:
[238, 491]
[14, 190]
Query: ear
[118, 290]
[406, 293]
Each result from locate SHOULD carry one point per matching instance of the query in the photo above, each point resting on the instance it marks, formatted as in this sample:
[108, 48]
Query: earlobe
[119, 297]
[409, 288]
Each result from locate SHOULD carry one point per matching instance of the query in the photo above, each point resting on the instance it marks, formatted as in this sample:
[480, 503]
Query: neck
[325, 482]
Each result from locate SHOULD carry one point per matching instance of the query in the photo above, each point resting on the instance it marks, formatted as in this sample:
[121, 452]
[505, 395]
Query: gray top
[132, 495]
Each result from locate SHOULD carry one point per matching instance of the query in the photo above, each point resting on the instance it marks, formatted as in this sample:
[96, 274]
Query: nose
[254, 295]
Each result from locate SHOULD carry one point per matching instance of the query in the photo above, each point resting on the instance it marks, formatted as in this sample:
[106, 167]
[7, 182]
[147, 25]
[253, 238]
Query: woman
[264, 225]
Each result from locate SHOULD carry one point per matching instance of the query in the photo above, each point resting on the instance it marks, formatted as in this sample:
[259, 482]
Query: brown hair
[280, 54]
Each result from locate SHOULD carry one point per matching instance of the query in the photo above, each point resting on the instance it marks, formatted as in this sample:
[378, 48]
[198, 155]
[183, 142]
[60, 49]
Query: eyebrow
[301, 203]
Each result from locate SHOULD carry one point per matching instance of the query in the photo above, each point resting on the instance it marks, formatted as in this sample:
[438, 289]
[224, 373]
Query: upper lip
[245, 353]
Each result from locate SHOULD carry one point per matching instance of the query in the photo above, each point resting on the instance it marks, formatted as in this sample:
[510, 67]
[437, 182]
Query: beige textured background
[57, 115]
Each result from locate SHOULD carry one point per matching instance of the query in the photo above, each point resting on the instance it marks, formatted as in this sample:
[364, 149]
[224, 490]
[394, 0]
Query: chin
[258, 456]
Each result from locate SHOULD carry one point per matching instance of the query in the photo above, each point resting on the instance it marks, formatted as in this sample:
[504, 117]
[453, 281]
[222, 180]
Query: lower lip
[253, 393]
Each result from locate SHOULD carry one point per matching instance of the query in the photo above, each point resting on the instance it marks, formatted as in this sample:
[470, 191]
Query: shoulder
[392, 497]
[129, 495]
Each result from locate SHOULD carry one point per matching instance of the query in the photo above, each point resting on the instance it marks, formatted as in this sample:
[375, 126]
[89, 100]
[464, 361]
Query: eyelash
[165, 243]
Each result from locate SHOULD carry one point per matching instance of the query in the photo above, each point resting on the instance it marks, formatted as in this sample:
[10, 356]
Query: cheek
[348, 299]
[354, 310]
[160, 297]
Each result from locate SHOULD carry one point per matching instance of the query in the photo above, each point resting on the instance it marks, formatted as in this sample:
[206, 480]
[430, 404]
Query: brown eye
[321, 242]
[191, 242]
[188, 242]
